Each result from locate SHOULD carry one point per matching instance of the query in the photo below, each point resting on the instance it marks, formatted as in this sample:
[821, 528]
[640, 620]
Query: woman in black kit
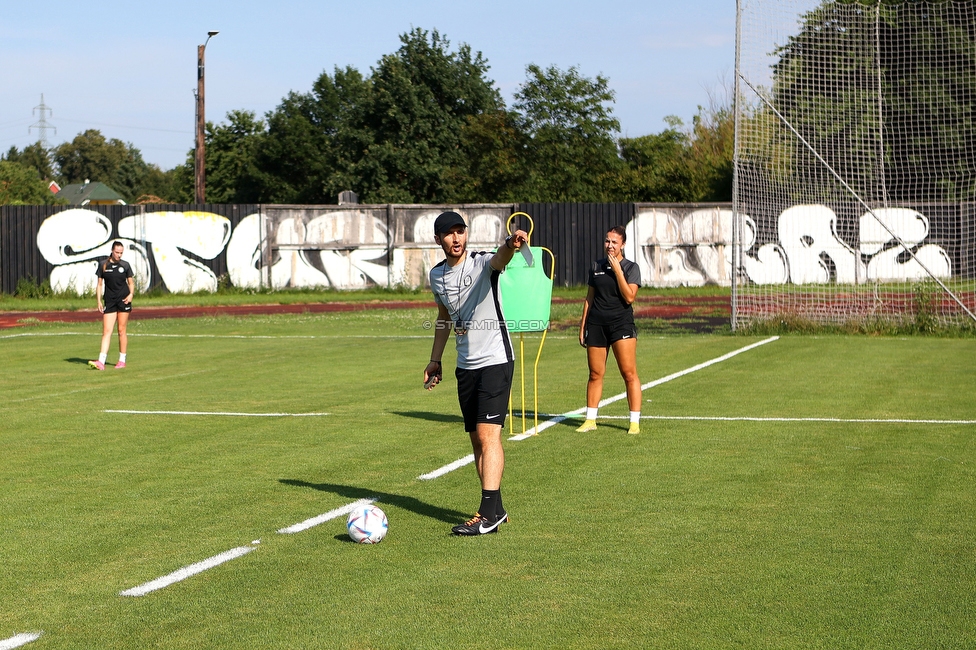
[116, 285]
[608, 323]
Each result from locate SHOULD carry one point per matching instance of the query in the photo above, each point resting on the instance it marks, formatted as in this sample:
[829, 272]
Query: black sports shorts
[114, 305]
[483, 394]
[603, 336]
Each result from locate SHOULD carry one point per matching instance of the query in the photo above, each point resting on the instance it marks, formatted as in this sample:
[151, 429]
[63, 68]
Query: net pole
[856, 196]
[736, 235]
[881, 124]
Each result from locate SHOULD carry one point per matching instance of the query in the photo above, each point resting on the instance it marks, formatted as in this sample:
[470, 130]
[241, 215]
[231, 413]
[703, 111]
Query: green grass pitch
[822, 512]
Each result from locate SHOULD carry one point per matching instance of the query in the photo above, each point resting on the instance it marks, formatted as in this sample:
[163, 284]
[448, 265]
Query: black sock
[499, 510]
[489, 503]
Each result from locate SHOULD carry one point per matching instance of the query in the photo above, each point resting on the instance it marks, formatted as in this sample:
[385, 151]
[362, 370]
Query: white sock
[591, 413]
[634, 416]
[102, 357]
[121, 357]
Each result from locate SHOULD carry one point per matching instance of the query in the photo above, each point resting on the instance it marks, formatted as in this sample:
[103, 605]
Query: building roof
[89, 193]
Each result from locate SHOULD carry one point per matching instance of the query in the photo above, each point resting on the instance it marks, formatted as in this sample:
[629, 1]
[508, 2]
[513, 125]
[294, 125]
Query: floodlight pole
[199, 154]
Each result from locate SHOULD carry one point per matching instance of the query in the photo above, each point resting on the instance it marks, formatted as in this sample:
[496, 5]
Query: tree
[428, 125]
[711, 153]
[657, 167]
[395, 136]
[231, 149]
[678, 165]
[313, 140]
[89, 156]
[422, 97]
[158, 186]
[570, 128]
[33, 155]
[826, 84]
[493, 166]
[20, 185]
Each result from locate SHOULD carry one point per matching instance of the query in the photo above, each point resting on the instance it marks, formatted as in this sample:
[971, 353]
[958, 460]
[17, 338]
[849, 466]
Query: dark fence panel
[19, 257]
[574, 232]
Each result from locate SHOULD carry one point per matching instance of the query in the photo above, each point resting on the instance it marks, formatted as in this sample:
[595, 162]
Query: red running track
[646, 307]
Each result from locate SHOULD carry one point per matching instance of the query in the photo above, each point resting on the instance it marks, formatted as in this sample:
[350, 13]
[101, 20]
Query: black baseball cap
[447, 220]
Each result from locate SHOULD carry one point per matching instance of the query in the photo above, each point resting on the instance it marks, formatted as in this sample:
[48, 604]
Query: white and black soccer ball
[367, 524]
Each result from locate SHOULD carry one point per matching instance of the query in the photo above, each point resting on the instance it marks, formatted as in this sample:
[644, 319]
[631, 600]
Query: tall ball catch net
[855, 162]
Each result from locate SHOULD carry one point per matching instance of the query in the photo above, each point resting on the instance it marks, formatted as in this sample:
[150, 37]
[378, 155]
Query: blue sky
[129, 68]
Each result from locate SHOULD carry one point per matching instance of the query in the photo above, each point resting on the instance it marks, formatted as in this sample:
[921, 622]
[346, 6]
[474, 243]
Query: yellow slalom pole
[511, 427]
[535, 380]
[522, 372]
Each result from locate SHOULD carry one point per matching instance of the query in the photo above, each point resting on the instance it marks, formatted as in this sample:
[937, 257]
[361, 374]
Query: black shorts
[113, 305]
[603, 336]
[483, 394]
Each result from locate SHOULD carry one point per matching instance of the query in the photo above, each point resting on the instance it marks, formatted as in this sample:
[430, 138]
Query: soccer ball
[367, 524]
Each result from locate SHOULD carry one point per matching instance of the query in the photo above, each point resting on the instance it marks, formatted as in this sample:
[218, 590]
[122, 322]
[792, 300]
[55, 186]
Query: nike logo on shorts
[489, 416]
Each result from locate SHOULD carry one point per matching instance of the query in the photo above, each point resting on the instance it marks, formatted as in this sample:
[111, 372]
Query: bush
[27, 287]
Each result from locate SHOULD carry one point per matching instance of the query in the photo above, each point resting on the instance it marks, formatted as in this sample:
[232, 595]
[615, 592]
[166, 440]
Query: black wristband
[436, 361]
[508, 242]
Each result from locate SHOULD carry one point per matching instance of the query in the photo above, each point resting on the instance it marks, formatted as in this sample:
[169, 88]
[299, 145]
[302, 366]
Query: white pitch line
[19, 640]
[187, 571]
[610, 400]
[688, 371]
[249, 415]
[209, 563]
[650, 384]
[199, 567]
[461, 462]
[23, 334]
[767, 419]
[332, 514]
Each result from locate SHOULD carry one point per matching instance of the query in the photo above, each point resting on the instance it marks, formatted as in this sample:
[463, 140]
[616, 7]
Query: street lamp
[199, 176]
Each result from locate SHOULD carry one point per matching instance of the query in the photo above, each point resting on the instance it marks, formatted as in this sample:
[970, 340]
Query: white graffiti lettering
[347, 249]
[172, 234]
[767, 266]
[890, 260]
[73, 241]
[245, 252]
[696, 248]
[808, 235]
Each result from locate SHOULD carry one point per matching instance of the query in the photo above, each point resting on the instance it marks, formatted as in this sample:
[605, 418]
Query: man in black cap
[465, 287]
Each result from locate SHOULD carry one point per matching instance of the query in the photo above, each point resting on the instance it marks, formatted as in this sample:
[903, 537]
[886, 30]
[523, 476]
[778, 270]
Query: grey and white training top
[472, 297]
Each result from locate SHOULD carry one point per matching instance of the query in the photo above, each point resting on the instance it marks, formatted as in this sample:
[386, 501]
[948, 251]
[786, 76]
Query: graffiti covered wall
[349, 247]
[171, 243]
[680, 247]
[187, 251]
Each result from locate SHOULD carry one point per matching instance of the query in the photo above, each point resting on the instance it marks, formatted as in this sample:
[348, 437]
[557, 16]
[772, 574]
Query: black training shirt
[115, 276]
[608, 305]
